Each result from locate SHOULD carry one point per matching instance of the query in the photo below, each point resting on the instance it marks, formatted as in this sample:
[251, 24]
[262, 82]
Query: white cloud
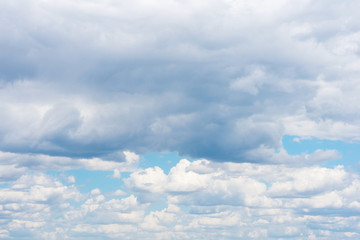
[116, 173]
[203, 198]
[95, 191]
[71, 179]
[4, 233]
[85, 84]
[309, 181]
[29, 203]
[119, 192]
[150, 179]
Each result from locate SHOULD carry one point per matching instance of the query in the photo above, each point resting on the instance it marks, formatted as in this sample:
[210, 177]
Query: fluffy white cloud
[202, 199]
[31, 202]
[309, 181]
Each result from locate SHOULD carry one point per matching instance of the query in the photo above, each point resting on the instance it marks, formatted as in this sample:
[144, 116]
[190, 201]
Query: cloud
[268, 156]
[246, 185]
[16, 165]
[308, 182]
[29, 203]
[86, 85]
[193, 200]
[211, 79]
[248, 197]
[249, 84]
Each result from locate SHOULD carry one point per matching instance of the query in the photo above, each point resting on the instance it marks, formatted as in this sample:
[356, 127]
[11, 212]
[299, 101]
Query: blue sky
[179, 119]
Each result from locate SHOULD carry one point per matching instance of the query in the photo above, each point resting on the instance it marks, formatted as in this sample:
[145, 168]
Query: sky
[168, 119]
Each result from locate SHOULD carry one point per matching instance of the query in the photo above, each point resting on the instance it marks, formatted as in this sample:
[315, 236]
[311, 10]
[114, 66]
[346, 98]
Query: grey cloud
[207, 79]
[11, 172]
[15, 165]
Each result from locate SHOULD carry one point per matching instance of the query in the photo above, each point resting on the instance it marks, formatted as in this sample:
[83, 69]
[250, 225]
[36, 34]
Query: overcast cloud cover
[88, 88]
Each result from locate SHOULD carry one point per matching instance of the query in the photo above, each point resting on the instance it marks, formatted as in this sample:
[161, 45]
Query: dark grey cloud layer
[212, 79]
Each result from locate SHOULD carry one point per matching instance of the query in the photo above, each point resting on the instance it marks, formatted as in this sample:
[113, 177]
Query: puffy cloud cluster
[37, 205]
[30, 202]
[213, 79]
[195, 200]
[255, 201]
[275, 186]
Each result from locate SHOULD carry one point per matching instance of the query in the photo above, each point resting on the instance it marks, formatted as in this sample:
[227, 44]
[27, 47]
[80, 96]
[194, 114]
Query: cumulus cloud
[30, 202]
[246, 198]
[193, 200]
[267, 186]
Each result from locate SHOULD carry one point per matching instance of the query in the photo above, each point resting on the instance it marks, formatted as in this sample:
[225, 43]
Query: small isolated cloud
[95, 191]
[71, 179]
[116, 174]
[119, 192]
